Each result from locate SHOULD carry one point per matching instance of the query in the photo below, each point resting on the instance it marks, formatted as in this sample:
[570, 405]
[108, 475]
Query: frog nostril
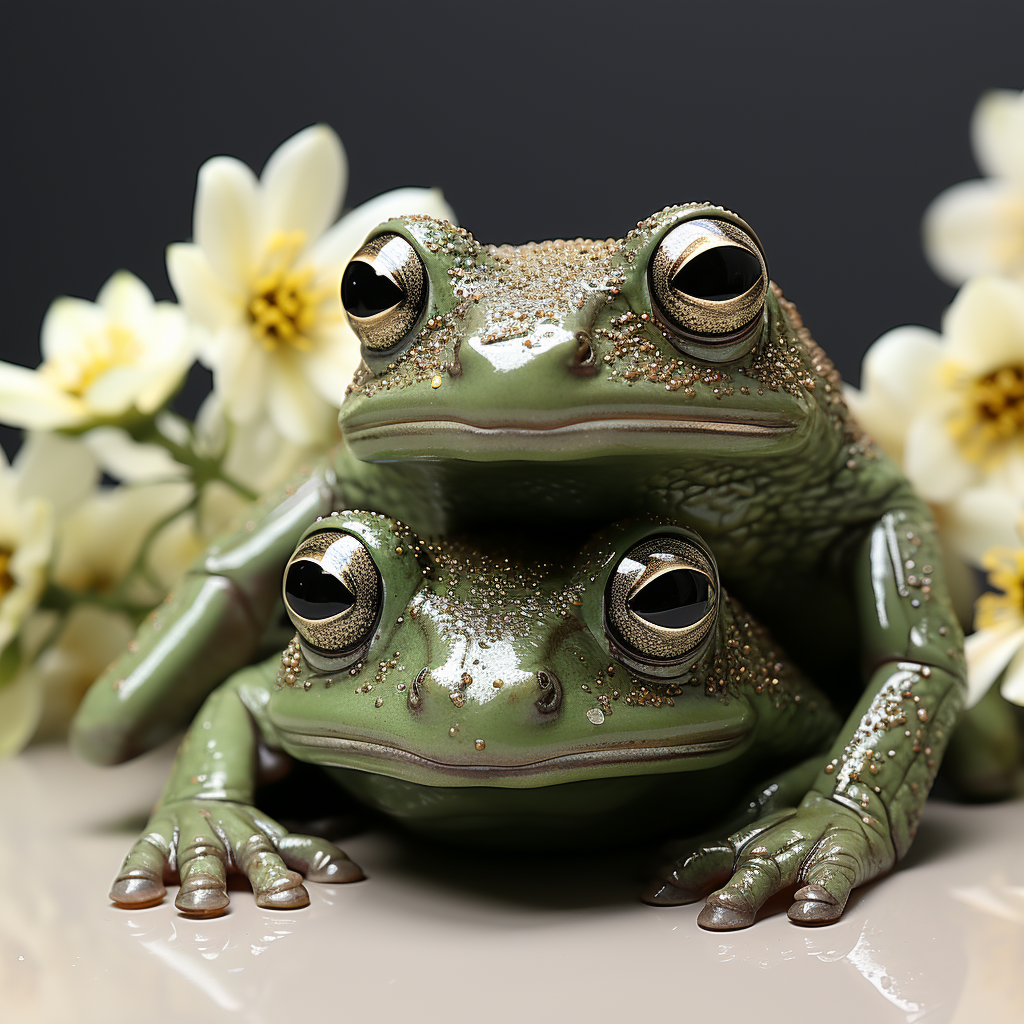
[550, 699]
[584, 362]
[415, 698]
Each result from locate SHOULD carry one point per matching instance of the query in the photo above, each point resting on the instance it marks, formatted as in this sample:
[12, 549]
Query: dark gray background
[828, 126]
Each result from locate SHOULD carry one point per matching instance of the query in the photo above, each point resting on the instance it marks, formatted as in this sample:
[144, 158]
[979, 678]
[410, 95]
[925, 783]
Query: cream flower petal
[997, 134]
[243, 370]
[984, 326]
[127, 460]
[976, 227]
[67, 323]
[60, 469]
[1013, 681]
[981, 518]
[989, 652]
[338, 244]
[29, 400]
[331, 364]
[304, 182]
[296, 411]
[127, 300]
[21, 706]
[932, 459]
[200, 291]
[226, 219]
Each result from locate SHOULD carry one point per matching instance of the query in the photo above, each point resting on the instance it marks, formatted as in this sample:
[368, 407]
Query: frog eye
[709, 281]
[384, 291]
[661, 602]
[333, 595]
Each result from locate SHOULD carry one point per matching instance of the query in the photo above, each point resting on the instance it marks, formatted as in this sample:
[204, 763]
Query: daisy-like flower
[950, 408]
[997, 648]
[262, 275]
[977, 227]
[101, 360]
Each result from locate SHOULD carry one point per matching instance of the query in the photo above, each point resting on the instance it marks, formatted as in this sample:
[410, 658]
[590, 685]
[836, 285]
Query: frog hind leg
[986, 751]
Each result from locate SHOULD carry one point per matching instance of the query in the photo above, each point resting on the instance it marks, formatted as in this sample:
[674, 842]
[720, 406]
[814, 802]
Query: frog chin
[524, 769]
[617, 434]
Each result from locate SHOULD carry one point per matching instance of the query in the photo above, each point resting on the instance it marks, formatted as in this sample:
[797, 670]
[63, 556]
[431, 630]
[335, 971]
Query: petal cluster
[102, 360]
[977, 227]
[262, 276]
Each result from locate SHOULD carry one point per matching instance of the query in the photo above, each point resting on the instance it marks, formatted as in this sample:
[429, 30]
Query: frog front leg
[205, 825]
[861, 813]
[210, 626]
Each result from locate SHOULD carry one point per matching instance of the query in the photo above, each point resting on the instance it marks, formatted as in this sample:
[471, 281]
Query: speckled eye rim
[648, 648]
[340, 638]
[717, 329]
[398, 268]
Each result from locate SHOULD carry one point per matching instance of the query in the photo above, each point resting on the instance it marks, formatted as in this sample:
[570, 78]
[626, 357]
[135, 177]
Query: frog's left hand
[202, 840]
[821, 846]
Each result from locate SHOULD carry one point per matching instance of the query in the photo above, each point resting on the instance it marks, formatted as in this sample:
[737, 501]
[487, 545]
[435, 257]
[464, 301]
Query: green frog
[495, 697]
[558, 386]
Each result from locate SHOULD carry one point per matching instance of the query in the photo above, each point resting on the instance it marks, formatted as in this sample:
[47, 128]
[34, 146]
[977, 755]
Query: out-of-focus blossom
[263, 273]
[997, 646]
[950, 408]
[102, 360]
[977, 227]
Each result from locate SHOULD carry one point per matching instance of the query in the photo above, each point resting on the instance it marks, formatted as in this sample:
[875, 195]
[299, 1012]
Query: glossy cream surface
[433, 935]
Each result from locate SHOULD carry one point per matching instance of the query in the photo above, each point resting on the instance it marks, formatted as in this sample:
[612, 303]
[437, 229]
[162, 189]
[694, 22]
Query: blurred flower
[101, 360]
[977, 227]
[997, 648]
[90, 638]
[951, 408]
[263, 273]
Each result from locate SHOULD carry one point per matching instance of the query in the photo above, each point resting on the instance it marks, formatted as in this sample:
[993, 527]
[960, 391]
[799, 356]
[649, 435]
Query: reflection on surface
[940, 940]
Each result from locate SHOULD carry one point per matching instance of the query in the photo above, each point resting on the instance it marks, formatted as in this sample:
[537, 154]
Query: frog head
[670, 340]
[447, 666]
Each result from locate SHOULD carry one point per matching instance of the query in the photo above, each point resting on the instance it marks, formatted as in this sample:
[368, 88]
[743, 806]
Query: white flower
[101, 360]
[951, 409]
[263, 273]
[977, 227]
[997, 648]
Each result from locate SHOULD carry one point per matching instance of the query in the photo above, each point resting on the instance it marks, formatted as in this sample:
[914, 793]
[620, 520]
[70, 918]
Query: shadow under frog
[489, 699]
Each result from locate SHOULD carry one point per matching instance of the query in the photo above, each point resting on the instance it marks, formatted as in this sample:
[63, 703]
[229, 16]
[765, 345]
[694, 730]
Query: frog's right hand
[202, 840]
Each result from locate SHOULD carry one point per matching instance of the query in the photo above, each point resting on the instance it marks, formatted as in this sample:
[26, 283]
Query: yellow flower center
[77, 369]
[283, 307]
[6, 579]
[1006, 574]
[992, 415]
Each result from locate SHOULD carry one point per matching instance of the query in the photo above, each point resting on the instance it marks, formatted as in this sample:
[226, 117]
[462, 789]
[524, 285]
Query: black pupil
[674, 599]
[365, 293]
[719, 274]
[315, 594]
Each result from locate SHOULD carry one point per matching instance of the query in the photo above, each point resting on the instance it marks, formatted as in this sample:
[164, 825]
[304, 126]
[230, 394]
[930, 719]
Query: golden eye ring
[709, 280]
[333, 595]
[661, 604]
[384, 291]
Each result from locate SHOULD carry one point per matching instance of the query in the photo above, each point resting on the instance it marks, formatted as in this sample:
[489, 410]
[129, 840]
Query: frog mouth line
[565, 439]
[583, 759]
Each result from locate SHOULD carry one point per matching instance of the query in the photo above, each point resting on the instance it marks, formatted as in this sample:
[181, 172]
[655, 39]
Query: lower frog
[513, 700]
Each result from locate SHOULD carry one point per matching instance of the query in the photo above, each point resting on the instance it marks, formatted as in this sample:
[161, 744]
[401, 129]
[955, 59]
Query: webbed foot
[824, 847]
[201, 841]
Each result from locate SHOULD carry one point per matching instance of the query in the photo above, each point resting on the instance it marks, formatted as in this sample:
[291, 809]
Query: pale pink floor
[444, 937]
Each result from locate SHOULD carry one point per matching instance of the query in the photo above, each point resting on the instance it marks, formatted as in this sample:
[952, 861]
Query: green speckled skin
[464, 757]
[485, 418]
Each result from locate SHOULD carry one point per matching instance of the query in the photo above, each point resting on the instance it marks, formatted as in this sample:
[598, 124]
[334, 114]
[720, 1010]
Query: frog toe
[814, 904]
[202, 895]
[724, 912]
[318, 860]
[693, 876]
[137, 892]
